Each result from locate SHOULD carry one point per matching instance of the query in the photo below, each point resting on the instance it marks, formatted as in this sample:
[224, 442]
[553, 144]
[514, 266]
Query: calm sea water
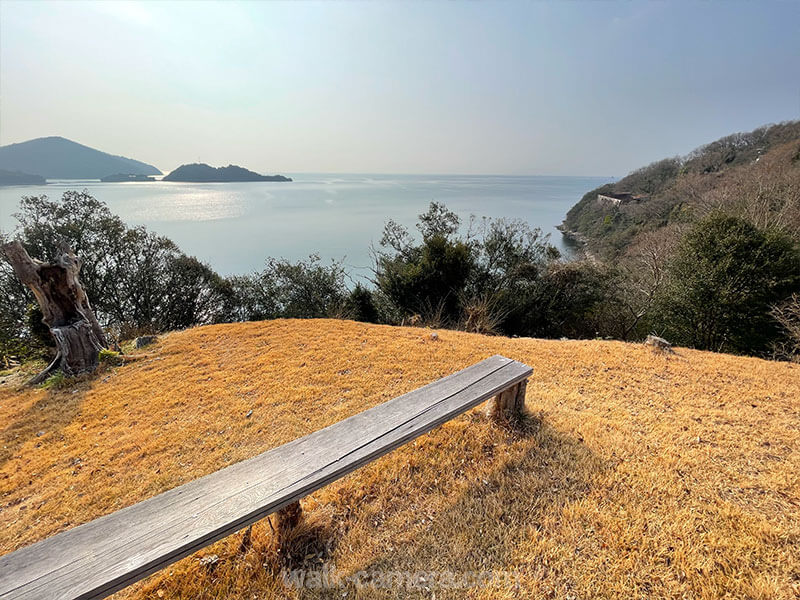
[235, 226]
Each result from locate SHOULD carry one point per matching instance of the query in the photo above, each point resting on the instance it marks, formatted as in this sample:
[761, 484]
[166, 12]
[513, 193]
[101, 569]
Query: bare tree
[645, 268]
[788, 315]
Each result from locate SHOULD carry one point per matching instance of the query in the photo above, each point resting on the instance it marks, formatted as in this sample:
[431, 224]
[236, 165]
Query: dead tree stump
[65, 308]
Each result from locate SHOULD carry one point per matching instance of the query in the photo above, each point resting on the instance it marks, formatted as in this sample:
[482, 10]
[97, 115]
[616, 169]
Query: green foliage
[137, 281]
[428, 278]
[569, 299]
[721, 284]
[503, 277]
[425, 279]
[303, 289]
[110, 357]
[40, 334]
[56, 381]
[499, 276]
[16, 339]
[362, 306]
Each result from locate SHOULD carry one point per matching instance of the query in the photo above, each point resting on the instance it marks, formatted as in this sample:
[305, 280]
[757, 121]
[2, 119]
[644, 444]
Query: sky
[552, 88]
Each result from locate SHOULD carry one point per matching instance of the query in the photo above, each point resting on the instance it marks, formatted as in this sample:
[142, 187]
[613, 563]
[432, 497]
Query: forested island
[203, 173]
[20, 178]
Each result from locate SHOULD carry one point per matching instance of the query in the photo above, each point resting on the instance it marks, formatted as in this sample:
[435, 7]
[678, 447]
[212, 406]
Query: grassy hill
[636, 474]
[755, 174]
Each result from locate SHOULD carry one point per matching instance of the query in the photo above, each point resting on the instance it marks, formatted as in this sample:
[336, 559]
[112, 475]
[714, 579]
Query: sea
[235, 227]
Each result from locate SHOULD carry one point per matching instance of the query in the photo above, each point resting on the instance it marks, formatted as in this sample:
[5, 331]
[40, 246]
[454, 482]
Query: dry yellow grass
[637, 475]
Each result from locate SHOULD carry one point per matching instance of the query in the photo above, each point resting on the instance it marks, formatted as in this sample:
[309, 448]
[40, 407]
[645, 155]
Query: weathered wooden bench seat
[100, 557]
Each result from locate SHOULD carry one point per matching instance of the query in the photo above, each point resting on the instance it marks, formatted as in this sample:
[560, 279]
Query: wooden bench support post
[508, 404]
[287, 519]
[519, 402]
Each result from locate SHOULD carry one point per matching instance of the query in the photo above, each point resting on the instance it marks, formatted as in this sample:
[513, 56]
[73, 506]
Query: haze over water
[234, 227]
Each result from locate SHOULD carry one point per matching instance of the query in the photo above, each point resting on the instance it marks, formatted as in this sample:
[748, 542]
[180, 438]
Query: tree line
[724, 283]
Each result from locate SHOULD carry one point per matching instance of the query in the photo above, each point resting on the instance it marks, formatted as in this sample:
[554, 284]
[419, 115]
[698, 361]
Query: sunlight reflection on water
[190, 205]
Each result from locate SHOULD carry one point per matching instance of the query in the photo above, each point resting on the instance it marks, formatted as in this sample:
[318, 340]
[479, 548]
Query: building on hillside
[620, 198]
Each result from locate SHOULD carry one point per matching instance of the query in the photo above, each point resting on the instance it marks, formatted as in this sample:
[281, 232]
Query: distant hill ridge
[59, 158]
[203, 173]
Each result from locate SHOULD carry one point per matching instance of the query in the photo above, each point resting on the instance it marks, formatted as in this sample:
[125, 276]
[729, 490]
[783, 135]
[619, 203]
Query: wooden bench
[100, 557]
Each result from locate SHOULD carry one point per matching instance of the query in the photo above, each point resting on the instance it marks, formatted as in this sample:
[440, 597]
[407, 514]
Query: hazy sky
[592, 88]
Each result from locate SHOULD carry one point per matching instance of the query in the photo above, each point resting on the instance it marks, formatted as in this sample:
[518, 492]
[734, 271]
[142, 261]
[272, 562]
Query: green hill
[756, 173]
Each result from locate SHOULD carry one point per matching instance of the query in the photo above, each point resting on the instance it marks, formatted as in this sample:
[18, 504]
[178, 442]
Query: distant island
[60, 158]
[122, 177]
[203, 173]
[20, 178]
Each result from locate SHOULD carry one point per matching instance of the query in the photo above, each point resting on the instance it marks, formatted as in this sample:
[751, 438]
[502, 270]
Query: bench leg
[519, 401]
[508, 404]
[287, 519]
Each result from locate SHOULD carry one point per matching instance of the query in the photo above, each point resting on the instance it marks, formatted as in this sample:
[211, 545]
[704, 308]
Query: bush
[502, 277]
[787, 314]
[724, 278]
[361, 305]
[303, 289]
[568, 299]
[425, 279]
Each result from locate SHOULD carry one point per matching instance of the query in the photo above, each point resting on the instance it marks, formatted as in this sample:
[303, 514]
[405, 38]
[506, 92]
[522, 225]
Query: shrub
[724, 278]
[502, 277]
[361, 305]
[285, 289]
[569, 299]
[427, 279]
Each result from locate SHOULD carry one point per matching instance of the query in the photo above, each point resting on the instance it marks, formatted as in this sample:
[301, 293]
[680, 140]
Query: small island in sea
[121, 177]
[203, 173]
[20, 178]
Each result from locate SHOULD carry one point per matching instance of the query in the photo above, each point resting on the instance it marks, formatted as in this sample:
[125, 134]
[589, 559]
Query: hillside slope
[636, 475]
[60, 158]
[754, 174]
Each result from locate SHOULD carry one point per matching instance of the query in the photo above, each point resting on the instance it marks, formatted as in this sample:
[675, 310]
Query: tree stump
[65, 308]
